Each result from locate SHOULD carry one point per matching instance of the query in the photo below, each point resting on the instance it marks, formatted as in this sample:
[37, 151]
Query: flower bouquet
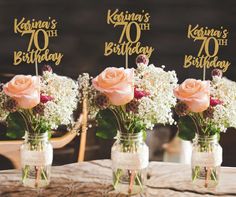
[126, 103]
[32, 106]
[206, 108]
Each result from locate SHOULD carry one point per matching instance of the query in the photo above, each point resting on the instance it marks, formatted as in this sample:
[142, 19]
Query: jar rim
[206, 137]
[30, 135]
[129, 136]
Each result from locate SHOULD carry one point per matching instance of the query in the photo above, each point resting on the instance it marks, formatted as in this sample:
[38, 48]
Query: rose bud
[216, 73]
[142, 59]
[181, 109]
[39, 109]
[47, 68]
[45, 98]
[1, 87]
[214, 102]
[209, 113]
[132, 106]
[11, 105]
[102, 101]
[138, 94]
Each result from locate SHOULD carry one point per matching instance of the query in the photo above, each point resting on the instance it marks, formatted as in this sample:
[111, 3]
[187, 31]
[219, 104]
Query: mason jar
[36, 160]
[206, 161]
[130, 158]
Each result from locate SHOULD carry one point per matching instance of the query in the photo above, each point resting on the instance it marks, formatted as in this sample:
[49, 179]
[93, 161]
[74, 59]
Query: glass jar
[36, 160]
[130, 157]
[206, 161]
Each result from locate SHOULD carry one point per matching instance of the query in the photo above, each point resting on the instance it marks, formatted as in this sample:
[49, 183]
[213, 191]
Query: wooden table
[94, 179]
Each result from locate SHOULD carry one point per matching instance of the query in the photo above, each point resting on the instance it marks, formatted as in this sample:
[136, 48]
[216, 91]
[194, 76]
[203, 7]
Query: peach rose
[117, 84]
[25, 89]
[194, 93]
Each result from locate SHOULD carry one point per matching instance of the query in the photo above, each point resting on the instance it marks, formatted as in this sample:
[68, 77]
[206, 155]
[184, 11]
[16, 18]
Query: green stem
[196, 172]
[26, 171]
[117, 119]
[118, 174]
[44, 175]
[140, 184]
[213, 173]
[25, 120]
[195, 123]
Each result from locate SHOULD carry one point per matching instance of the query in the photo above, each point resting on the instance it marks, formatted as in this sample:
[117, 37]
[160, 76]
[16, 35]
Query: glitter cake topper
[127, 44]
[207, 58]
[37, 51]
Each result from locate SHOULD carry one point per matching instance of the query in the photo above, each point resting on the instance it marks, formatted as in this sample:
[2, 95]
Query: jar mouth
[206, 137]
[129, 136]
[34, 136]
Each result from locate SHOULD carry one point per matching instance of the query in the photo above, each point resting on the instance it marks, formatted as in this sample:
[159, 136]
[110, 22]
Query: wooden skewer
[208, 171]
[36, 68]
[132, 173]
[37, 171]
[204, 73]
[126, 60]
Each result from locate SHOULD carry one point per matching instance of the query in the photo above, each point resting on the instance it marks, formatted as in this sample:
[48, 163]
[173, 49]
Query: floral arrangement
[136, 99]
[37, 104]
[206, 107]
[126, 103]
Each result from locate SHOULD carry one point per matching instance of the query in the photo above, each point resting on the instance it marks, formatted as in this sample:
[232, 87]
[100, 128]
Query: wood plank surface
[93, 179]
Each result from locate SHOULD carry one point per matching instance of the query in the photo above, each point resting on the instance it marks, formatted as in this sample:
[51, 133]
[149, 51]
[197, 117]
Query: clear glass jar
[130, 158]
[206, 161]
[36, 160]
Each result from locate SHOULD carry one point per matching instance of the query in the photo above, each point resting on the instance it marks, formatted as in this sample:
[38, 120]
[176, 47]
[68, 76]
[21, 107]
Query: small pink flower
[215, 101]
[47, 68]
[142, 59]
[138, 94]
[45, 98]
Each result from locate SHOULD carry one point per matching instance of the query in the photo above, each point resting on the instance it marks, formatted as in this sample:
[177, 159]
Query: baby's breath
[225, 113]
[65, 98]
[153, 108]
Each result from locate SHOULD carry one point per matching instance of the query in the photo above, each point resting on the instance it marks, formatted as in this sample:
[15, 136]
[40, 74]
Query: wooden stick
[84, 132]
[37, 174]
[208, 170]
[204, 73]
[36, 68]
[126, 60]
[131, 183]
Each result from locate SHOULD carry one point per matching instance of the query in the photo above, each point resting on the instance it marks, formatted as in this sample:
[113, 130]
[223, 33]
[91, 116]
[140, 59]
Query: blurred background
[82, 32]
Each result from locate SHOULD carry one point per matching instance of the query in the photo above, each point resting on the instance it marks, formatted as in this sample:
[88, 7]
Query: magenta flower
[45, 98]
[215, 101]
[138, 94]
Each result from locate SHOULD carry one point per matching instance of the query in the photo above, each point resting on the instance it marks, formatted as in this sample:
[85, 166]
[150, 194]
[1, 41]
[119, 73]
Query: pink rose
[194, 93]
[117, 84]
[25, 89]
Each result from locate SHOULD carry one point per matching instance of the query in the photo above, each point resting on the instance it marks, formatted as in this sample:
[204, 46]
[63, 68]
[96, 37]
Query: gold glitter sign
[39, 33]
[211, 40]
[128, 44]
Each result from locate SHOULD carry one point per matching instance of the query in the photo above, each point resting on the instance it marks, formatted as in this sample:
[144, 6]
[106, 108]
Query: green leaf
[107, 124]
[15, 126]
[187, 128]
[138, 126]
